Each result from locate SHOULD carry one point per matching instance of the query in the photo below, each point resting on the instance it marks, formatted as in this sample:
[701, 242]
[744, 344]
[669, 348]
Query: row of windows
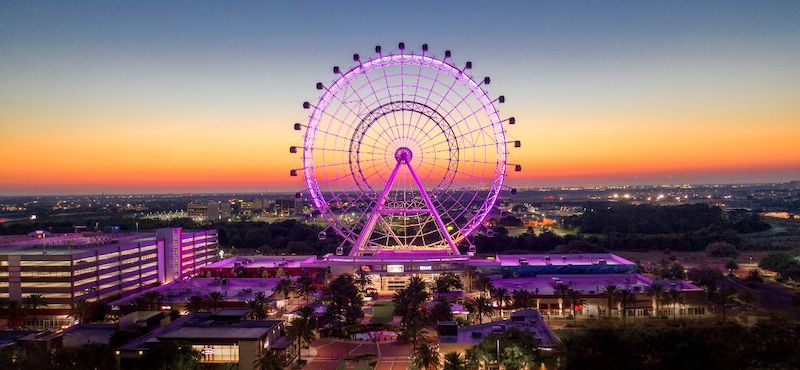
[45, 263]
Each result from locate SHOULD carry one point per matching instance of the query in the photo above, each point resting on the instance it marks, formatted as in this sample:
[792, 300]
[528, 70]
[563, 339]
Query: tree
[471, 273]
[725, 292]
[13, 311]
[363, 280]
[561, 291]
[341, 297]
[215, 299]
[153, 300]
[523, 299]
[518, 350]
[655, 292]
[426, 357]
[413, 331]
[731, 265]
[305, 286]
[447, 282]
[301, 331]
[483, 284]
[34, 302]
[81, 311]
[625, 298]
[258, 306]
[574, 300]
[409, 303]
[480, 307]
[285, 287]
[674, 297]
[722, 250]
[196, 304]
[171, 356]
[610, 291]
[454, 361]
[501, 297]
[440, 311]
[269, 360]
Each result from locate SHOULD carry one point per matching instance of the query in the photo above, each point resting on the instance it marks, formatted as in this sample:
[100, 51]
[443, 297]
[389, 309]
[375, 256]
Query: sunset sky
[201, 96]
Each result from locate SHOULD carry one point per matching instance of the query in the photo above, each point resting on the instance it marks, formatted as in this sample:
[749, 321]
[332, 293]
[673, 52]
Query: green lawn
[382, 312]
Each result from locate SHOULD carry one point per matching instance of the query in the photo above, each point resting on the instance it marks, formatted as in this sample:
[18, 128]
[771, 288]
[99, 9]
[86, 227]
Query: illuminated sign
[425, 268]
[207, 351]
[394, 268]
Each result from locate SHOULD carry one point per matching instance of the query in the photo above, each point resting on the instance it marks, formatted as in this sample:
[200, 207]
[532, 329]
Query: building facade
[95, 267]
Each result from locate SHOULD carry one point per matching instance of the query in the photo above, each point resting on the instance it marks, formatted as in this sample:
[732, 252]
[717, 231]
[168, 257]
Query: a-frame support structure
[403, 156]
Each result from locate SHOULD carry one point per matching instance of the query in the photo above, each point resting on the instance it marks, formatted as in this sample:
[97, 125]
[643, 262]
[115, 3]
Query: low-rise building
[223, 337]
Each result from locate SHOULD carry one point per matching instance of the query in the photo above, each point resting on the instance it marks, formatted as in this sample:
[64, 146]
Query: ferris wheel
[404, 152]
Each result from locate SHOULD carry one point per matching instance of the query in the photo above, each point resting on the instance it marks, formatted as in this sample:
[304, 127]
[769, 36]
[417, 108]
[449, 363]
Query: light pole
[498, 353]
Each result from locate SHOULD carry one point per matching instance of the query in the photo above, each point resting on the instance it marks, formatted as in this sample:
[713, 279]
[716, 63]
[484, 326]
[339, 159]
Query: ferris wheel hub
[403, 154]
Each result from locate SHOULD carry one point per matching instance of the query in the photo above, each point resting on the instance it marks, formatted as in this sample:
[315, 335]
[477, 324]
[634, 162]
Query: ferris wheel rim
[320, 202]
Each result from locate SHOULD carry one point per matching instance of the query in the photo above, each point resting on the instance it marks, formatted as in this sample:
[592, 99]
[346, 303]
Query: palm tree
[215, 299]
[285, 287]
[471, 272]
[426, 357]
[13, 311]
[483, 284]
[34, 302]
[625, 298]
[153, 300]
[575, 299]
[481, 307]
[674, 297]
[80, 310]
[414, 332]
[561, 291]
[363, 279]
[610, 291]
[196, 304]
[523, 299]
[501, 297]
[269, 360]
[258, 306]
[305, 286]
[656, 291]
[454, 361]
[302, 331]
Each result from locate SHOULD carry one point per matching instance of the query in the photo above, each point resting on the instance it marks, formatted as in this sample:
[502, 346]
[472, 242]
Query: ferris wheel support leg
[366, 231]
[436, 217]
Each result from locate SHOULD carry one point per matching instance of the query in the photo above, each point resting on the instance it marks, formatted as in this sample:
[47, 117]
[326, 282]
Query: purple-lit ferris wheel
[404, 152]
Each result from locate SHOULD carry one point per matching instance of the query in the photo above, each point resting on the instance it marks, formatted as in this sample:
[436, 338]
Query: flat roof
[585, 283]
[561, 259]
[72, 243]
[235, 289]
[262, 261]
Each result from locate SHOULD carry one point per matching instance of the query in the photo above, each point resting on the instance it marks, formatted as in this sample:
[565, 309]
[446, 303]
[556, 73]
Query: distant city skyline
[150, 97]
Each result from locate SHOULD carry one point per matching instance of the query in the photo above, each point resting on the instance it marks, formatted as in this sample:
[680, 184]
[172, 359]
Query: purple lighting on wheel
[372, 121]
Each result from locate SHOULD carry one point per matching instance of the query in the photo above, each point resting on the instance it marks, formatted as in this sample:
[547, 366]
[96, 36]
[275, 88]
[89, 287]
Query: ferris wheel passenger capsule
[490, 233]
[471, 251]
[339, 250]
[322, 235]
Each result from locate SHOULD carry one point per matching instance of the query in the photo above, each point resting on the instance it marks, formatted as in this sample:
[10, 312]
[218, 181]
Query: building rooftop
[528, 320]
[589, 284]
[235, 289]
[65, 244]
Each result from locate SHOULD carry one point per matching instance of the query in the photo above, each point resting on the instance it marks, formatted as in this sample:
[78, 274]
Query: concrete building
[223, 337]
[94, 267]
[212, 210]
